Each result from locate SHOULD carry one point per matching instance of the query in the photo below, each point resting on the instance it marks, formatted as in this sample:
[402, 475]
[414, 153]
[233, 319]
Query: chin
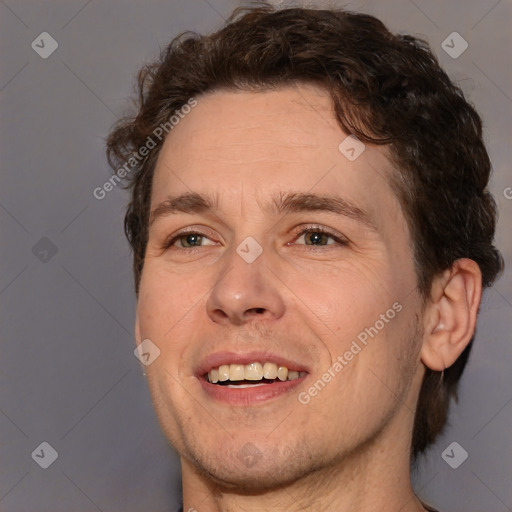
[249, 469]
[245, 480]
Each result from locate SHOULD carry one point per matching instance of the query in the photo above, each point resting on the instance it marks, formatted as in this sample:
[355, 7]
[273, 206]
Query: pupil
[192, 239]
[316, 237]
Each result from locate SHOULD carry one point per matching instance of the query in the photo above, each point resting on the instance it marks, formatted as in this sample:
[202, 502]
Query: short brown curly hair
[386, 89]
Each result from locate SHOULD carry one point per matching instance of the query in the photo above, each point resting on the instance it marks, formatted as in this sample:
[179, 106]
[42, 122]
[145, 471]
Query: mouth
[249, 378]
[251, 375]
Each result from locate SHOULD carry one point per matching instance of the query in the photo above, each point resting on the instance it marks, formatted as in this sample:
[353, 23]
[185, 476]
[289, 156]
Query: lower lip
[250, 396]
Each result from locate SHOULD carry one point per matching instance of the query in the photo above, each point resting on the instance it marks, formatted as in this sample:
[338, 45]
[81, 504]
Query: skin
[348, 448]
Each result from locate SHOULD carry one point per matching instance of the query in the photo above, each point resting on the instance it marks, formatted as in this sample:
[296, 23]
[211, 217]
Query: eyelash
[309, 229]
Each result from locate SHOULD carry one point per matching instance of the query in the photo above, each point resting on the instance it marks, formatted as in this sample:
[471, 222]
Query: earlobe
[451, 314]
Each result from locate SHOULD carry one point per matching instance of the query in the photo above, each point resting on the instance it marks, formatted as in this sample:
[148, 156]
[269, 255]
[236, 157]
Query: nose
[245, 291]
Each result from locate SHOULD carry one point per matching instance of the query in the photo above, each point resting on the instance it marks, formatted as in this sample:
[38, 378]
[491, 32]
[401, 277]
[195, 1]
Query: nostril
[255, 311]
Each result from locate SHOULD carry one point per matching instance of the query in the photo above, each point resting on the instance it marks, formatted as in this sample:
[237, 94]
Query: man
[312, 230]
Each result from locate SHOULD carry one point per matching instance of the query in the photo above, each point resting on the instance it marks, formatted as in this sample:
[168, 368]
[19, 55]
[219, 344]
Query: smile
[250, 378]
[251, 375]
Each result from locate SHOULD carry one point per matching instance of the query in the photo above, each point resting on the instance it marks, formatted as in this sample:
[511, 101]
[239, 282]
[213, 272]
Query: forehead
[239, 145]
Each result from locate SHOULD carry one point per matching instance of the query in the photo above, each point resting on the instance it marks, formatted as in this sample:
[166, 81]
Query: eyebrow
[283, 203]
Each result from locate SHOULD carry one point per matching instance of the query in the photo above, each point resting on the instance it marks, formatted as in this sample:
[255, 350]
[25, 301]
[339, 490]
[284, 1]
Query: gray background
[68, 375]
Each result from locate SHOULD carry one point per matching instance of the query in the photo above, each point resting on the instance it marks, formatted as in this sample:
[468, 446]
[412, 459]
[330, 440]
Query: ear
[450, 316]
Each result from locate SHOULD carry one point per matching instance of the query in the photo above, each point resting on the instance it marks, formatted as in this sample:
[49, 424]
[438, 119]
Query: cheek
[165, 306]
[346, 296]
[363, 307]
[168, 293]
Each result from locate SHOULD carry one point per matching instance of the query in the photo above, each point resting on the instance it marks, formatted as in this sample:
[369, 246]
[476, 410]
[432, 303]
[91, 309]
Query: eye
[318, 236]
[313, 236]
[187, 240]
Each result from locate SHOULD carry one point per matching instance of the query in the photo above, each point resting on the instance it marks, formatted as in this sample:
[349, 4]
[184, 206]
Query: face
[270, 243]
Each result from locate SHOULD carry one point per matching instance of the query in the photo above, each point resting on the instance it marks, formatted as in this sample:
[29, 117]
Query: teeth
[282, 373]
[223, 372]
[253, 371]
[214, 376]
[236, 372]
[270, 370]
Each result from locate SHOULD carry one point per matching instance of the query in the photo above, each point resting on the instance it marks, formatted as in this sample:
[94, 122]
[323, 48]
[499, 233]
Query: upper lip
[226, 357]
